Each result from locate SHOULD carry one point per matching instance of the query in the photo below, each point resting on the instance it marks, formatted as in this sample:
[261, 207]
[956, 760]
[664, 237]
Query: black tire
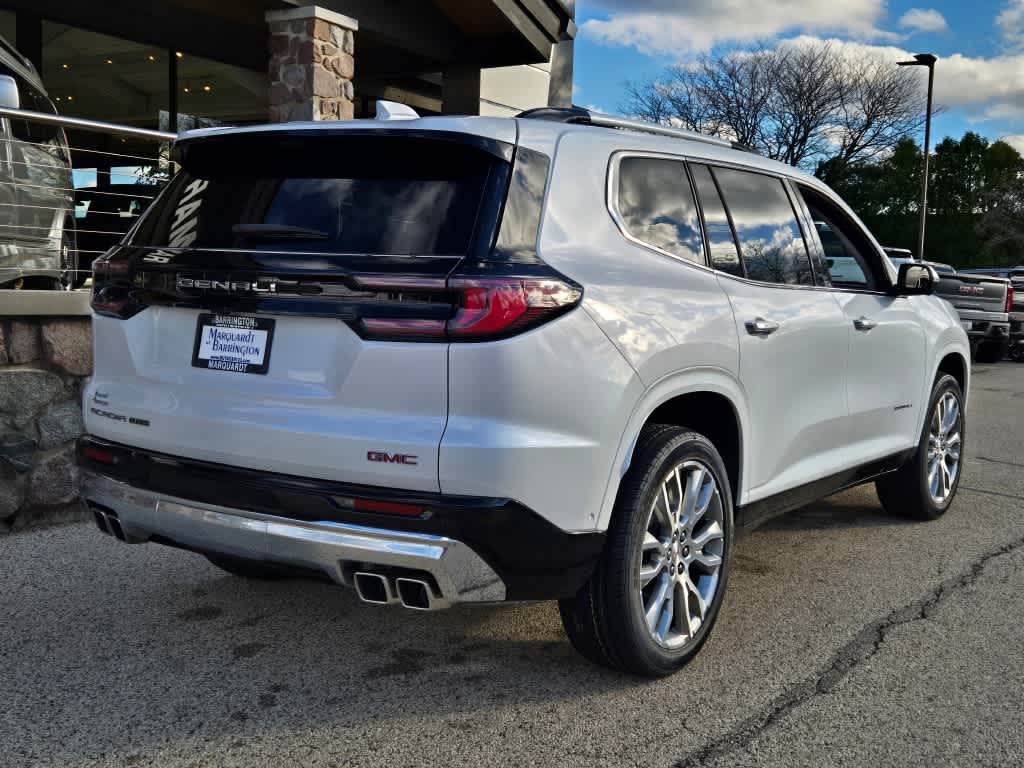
[605, 619]
[905, 492]
[247, 569]
[990, 351]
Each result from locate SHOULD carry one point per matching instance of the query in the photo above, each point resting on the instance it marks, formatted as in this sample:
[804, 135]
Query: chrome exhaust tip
[374, 588]
[418, 595]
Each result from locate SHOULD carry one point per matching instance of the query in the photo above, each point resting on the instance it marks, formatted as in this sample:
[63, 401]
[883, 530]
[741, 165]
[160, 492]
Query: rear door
[793, 337]
[277, 286]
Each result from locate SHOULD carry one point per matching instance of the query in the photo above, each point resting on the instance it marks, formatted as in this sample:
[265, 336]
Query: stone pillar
[311, 64]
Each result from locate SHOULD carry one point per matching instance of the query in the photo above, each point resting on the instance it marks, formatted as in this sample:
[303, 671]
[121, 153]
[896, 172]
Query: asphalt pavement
[847, 638]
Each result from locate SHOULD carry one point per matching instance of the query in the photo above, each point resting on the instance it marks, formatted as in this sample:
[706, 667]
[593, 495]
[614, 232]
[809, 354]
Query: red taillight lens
[485, 308]
[502, 306]
[1009, 298]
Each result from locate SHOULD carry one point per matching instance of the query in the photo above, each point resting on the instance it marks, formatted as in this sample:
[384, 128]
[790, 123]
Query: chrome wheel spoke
[656, 603]
[953, 445]
[712, 532]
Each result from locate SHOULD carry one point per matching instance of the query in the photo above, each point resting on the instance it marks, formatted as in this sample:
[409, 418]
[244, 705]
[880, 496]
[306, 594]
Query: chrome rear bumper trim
[338, 549]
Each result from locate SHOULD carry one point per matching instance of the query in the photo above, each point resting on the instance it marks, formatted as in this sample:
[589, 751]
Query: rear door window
[767, 230]
[721, 242]
[656, 204]
[363, 195]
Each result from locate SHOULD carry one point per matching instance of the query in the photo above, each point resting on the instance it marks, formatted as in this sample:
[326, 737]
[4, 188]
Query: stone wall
[311, 64]
[42, 364]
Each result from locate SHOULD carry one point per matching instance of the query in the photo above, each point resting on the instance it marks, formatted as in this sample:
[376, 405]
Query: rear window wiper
[278, 232]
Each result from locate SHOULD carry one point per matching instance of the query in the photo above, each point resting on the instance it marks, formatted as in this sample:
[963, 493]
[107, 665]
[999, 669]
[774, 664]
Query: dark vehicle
[37, 228]
[103, 216]
[983, 301]
[1016, 277]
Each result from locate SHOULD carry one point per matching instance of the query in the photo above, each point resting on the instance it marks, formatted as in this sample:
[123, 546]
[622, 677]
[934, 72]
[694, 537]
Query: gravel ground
[847, 638]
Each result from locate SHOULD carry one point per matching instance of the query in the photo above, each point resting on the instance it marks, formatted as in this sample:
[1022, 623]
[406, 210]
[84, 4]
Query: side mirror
[9, 98]
[915, 279]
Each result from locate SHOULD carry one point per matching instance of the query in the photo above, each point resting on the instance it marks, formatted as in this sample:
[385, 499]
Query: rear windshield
[361, 195]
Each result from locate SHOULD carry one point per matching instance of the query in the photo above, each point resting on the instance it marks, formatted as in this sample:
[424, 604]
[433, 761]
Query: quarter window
[656, 203]
[769, 236]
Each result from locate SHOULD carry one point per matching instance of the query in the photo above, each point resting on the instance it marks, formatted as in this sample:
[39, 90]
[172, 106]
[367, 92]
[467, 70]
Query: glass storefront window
[103, 77]
[214, 93]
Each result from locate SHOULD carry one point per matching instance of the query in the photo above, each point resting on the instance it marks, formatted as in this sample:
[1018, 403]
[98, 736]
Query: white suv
[559, 356]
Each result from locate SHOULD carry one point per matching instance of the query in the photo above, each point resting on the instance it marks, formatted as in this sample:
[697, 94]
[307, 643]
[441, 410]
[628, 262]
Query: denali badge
[260, 285]
[390, 458]
[973, 290]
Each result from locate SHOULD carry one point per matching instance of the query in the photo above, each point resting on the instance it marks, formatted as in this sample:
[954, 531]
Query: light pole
[924, 60]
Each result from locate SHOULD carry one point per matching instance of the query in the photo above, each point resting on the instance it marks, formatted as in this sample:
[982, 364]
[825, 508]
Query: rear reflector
[97, 454]
[388, 507]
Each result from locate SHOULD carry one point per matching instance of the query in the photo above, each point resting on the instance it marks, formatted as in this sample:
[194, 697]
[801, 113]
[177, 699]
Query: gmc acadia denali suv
[559, 356]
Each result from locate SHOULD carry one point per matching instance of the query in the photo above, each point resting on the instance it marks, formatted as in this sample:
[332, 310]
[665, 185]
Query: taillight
[111, 288]
[485, 308]
[1009, 298]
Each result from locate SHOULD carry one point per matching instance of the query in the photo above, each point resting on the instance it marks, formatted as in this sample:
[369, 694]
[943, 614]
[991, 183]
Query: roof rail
[586, 117]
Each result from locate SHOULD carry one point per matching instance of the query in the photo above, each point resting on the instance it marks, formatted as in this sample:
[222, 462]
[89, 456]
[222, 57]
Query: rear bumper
[988, 330]
[337, 549]
[475, 548]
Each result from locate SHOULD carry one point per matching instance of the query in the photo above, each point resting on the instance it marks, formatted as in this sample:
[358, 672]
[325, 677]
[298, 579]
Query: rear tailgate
[973, 292]
[242, 323]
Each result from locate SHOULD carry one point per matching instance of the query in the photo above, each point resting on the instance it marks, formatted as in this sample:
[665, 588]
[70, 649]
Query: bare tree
[797, 103]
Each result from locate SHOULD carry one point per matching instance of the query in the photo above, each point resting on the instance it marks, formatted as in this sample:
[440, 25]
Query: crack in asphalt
[991, 493]
[998, 461]
[865, 644]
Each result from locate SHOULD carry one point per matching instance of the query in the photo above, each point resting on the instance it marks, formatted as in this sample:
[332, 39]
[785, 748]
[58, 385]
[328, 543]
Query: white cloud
[924, 20]
[1011, 22]
[1015, 140]
[992, 86]
[681, 28]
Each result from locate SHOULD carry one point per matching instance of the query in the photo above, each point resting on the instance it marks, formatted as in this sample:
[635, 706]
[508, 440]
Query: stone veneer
[42, 364]
[311, 64]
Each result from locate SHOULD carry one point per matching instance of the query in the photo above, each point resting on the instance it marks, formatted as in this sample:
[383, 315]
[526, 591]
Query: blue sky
[980, 44]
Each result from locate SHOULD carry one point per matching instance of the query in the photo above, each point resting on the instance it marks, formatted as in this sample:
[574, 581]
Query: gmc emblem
[390, 458]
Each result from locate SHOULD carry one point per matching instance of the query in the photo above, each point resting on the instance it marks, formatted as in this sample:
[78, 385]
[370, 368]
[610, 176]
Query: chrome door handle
[864, 323]
[761, 327]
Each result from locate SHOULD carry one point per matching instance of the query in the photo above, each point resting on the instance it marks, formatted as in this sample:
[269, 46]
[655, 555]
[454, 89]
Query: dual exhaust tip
[106, 520]
[382, 589]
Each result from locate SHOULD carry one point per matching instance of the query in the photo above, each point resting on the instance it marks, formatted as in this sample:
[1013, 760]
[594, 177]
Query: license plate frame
[250, 336]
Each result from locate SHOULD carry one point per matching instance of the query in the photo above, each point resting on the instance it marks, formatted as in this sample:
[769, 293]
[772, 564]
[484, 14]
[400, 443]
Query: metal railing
[61, 201]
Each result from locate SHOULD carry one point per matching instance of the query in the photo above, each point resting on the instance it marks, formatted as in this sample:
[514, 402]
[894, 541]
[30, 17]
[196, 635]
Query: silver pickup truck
[983, 301]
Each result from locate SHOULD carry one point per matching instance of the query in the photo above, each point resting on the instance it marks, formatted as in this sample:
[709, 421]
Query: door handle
[864, 323]
[761, 327]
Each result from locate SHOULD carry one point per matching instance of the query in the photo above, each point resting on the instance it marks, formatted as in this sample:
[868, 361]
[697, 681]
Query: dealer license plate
[235, 343]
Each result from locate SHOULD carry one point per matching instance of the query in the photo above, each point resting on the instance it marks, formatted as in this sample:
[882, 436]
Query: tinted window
[657, 206]
[33, 101]
[851, 259]
[770, 240]
[721, 242]
[520, 218]
[350, 195]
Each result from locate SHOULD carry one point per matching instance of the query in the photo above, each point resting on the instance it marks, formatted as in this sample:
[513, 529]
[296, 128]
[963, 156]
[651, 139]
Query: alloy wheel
[944, 443]
[681, 554]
